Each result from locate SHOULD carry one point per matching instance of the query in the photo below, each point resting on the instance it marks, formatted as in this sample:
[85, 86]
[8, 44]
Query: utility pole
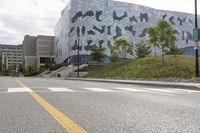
[196, 41]
[50, 56]
[78, 60]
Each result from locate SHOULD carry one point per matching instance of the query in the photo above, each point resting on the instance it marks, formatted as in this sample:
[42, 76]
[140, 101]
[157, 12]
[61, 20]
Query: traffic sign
[195, 45]
[195, 35]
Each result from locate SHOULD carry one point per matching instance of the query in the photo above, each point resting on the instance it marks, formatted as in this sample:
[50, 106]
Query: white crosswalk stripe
[19, 90]
[164, 90]
[61, 90]
[98, 90]
[91, 89]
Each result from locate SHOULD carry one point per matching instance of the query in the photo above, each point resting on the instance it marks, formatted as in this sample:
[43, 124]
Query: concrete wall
[36, 48]
[30, 61]
[45, 48]
[29, 45]
[29, 51]
[100, 21]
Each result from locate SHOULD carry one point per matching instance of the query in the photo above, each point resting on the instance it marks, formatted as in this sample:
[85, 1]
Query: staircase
[65, 71]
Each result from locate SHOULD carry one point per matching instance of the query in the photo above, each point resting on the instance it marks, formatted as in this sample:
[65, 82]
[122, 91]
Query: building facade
[37, 50]
[11, 56]
[84, 23]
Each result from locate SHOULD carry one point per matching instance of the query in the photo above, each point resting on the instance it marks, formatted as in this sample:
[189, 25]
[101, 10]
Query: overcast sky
[33, 17]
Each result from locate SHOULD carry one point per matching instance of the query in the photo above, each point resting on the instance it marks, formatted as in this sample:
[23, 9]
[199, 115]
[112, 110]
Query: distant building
[37, 50]
[11, 56]
[84, 23]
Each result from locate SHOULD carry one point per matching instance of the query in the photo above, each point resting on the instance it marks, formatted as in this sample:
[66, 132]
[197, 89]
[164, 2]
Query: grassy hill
[151, 67]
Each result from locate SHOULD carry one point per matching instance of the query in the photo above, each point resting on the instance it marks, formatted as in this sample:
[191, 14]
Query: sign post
[196, 39]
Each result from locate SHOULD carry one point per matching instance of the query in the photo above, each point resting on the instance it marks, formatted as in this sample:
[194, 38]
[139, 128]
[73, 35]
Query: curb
[191, 86]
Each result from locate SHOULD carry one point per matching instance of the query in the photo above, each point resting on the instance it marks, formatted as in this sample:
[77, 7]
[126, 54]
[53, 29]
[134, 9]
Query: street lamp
[196, 41]
[50, 55]
[78, 60]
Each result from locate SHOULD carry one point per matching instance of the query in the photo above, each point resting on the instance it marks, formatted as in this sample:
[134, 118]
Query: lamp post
[78, 61]
[196, 41]
[50, 57]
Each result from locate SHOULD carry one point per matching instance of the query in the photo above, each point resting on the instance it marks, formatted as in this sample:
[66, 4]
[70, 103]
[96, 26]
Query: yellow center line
[65, 121]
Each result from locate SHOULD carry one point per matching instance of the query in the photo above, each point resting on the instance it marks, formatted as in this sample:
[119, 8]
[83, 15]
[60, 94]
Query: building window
[43, 60]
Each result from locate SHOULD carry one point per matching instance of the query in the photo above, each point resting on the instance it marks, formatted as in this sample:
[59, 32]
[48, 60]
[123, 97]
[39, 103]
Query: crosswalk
[95, 89]
[19, 90]
[61, 89]
[98, 89]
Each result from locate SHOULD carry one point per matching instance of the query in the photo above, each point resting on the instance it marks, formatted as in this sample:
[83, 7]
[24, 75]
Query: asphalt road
[98, 107]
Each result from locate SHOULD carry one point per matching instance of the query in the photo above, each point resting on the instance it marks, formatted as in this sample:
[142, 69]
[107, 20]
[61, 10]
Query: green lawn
[151, 67]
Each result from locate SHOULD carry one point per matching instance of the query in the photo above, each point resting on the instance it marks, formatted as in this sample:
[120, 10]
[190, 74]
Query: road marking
[19, 90]
[61, 89]
[162, 90]
[131, 89]
[65, 121]
[87, 89]
[98, 90]
[186, 90]
[145, 91]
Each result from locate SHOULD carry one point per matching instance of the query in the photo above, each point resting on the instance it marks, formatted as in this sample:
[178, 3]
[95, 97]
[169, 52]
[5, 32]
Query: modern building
[37, 50]
[11, 56]
[87, 22]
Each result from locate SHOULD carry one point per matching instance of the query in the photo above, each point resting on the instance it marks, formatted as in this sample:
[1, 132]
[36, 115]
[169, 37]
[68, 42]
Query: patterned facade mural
[90, 22]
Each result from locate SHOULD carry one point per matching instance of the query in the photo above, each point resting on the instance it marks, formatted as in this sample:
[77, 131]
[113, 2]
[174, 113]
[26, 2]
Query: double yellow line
[65, 121]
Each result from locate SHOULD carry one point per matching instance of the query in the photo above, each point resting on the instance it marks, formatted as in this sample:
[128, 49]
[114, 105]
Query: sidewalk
[195, 86]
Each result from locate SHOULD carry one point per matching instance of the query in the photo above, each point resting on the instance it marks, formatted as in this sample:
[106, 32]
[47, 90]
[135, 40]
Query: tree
[47, 63]
[153, 40]
[97, 53]
[30, 69]
[122, 47]
[114, 54]
[162, 35]
[20, 67]
[174, 50]
[142, 50]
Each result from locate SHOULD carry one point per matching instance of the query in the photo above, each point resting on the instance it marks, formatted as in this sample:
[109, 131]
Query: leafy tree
[153, 40]
[20, 68]
[2, 65]
[142, 50]
[47, 63]
[114, 54]
[30, 69]
[162, 35]
[122, 47]
[97, 53]
[174, 50]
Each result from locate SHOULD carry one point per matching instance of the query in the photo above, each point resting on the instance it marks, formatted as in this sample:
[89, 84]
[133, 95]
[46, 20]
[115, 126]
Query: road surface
[34, 105]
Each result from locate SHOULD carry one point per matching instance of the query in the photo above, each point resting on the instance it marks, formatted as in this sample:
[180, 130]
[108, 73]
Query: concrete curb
[192, 86]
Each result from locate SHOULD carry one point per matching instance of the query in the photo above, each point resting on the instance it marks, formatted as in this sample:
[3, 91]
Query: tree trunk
[162, 55]
[155, 50]
[125, 52]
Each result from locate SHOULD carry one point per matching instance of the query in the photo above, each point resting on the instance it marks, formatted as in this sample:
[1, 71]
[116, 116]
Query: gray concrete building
[84, 23]
[37, 50]
[11, 55]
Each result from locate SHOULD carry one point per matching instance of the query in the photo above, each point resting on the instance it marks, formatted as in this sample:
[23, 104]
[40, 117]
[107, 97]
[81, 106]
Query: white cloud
[22, 17]
[33, 17]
